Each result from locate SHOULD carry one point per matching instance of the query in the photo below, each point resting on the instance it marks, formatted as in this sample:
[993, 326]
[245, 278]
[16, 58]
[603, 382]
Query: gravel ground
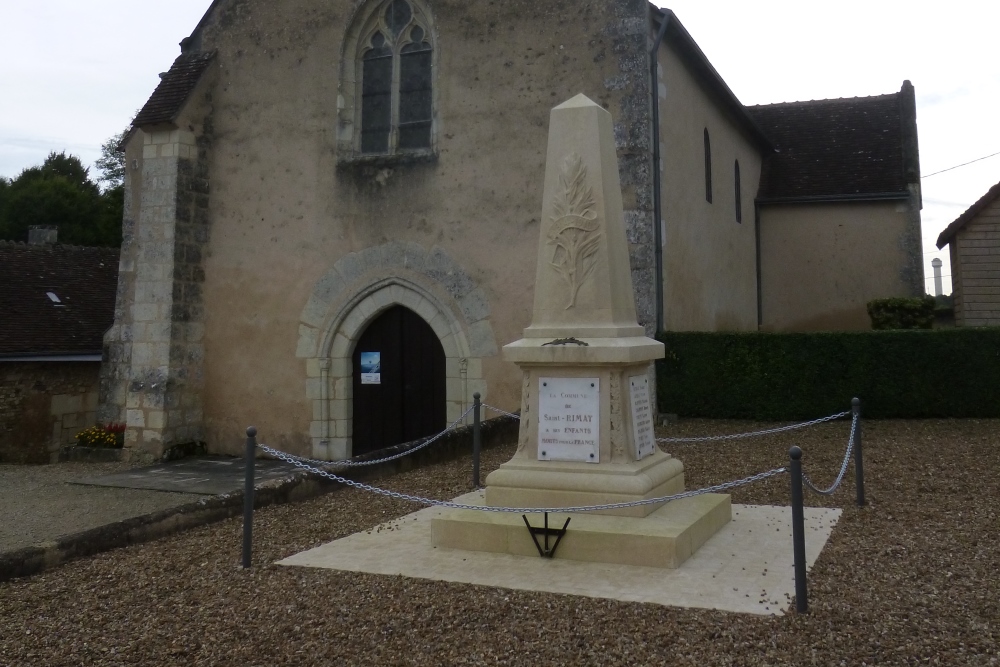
[909, 580]
[39, 505]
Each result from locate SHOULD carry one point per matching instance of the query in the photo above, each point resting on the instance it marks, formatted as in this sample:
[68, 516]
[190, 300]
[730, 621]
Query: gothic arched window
[394, 104]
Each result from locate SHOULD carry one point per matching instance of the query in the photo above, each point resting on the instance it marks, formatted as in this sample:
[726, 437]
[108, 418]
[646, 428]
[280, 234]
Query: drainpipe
[654, 85]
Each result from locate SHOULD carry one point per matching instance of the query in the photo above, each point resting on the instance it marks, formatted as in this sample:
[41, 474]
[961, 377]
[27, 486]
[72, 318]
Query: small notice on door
[371, 368]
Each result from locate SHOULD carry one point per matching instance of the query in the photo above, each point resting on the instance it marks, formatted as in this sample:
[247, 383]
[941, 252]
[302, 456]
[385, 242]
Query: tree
[60, 193]
[111, 164]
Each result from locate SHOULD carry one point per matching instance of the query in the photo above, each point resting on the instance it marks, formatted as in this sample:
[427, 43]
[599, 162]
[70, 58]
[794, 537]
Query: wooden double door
[399, 382]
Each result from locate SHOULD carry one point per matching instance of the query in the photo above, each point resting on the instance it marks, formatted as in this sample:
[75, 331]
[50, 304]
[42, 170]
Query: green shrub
[902, 313]
[791, 376]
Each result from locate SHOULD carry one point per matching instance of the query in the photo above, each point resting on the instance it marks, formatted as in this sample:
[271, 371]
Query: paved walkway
[43, 503]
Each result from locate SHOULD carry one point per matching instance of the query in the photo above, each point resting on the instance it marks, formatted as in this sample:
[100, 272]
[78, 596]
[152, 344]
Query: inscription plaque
[642, 417]
[569, 419]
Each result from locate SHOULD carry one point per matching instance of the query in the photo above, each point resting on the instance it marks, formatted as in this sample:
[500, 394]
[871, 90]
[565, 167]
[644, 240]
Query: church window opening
[739, 194]
[708, 168]
[396, 93]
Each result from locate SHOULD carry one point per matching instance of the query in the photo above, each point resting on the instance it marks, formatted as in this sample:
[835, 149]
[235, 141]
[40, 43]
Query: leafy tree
[111, 164]
[60, 193]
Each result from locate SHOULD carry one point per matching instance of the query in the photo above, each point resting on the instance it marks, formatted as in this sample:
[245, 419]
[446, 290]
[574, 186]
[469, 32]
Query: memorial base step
[664, 539]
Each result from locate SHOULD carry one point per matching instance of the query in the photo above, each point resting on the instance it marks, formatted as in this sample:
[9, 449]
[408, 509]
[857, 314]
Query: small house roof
[55, 299]
[847, 147]
[961, 221]
[173, 90]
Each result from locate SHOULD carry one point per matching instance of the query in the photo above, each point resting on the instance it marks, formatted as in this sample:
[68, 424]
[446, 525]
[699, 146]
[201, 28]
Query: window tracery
[394, 83]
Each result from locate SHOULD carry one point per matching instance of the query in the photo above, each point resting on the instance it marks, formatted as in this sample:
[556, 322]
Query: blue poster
[371, 368]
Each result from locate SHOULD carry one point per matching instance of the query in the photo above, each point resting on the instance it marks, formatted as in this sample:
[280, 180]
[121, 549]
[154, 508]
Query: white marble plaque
[642, 417]
[569, 419]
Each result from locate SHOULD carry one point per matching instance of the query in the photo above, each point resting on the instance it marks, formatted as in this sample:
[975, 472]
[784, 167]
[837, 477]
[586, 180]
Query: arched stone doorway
[399, 382]
[356, 290]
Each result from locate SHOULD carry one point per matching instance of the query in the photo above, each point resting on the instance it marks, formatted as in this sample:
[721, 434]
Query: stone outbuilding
[332, 211]
[57, 302]
[974, 247]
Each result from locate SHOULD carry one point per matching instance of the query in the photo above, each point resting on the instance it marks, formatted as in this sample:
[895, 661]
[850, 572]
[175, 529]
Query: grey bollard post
[798, 531]
[477, 441]
[859, 460]
[251, 452]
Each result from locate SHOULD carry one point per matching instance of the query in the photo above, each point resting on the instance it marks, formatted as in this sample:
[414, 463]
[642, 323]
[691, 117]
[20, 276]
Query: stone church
[332, 211]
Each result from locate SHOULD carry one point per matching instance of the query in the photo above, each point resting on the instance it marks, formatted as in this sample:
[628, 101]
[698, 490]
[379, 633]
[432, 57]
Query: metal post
[859, 461]
[476, 438]
[798, 532]
[251, 452]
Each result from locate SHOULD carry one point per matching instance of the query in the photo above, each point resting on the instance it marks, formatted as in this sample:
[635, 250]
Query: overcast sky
[74, 72]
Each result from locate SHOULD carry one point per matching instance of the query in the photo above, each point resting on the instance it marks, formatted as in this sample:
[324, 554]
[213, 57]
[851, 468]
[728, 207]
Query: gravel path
[39, 505]
[909, 580]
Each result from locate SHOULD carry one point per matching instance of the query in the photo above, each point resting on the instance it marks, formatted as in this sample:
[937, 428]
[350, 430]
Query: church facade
[332, 211]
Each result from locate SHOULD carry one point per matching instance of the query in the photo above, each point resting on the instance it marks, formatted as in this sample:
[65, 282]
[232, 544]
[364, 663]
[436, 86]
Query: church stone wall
[822, 263]
[709, 274]
[283, 210]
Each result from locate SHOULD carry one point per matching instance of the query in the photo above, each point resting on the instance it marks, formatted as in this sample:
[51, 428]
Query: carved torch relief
[574, 233]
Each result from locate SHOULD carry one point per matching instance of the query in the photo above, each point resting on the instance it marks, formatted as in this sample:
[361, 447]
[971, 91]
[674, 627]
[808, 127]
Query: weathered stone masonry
[158, 345]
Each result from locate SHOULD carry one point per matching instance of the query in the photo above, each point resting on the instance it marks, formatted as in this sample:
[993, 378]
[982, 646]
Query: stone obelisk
[586, 434]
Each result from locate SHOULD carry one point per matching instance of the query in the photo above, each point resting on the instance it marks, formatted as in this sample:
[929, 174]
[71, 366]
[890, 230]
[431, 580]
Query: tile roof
[83, 279]
[961, 221]
[174, 88]
[829, 148]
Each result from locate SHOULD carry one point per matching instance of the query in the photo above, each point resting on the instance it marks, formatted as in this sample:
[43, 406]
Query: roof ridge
[826, 100]
[949, 232]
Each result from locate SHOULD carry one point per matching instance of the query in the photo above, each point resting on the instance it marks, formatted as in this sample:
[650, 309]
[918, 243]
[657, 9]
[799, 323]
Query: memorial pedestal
[586, 433]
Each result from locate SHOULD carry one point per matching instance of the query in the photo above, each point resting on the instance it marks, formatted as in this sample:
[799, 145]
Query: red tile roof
[833, 148]
[83, 279]
[961, 221]
[174, 89]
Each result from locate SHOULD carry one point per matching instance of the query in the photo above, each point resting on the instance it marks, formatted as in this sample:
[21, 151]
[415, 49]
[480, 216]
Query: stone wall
[206, 359]
[43, 405]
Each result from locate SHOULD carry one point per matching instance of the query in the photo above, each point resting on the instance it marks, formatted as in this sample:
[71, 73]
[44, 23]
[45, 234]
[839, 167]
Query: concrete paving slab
[746, 567]
[203, 475]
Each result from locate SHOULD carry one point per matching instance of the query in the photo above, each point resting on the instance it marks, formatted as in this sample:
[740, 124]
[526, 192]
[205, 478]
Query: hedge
[792, 376]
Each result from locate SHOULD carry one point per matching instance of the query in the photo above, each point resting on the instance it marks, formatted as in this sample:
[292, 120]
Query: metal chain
[780, 429]
[519, 510]
[843, 466]
[503, 412]
[357, 464]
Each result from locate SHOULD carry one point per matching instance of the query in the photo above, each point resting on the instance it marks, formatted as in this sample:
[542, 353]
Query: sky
[74, 73]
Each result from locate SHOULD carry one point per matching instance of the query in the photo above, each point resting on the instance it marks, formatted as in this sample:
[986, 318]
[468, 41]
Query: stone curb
[293, 488]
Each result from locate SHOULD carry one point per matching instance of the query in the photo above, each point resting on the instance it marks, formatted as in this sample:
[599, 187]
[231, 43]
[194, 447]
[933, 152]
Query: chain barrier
[843, 466]
[780, 429]
[386, 459]
[709, 438]
[288, 458]
[503, 412]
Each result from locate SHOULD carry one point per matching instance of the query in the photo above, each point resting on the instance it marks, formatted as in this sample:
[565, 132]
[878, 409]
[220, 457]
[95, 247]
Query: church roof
[173, 90]
[55, 299]
[961, 221]
[692, 55]
[849, 148]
